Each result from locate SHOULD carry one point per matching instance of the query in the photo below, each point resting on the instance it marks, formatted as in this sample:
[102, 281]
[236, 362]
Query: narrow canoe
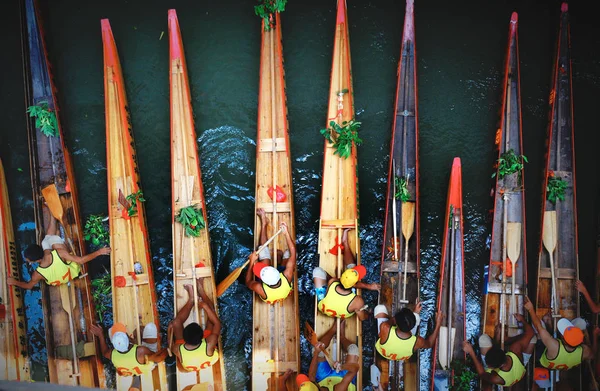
[275, 342]
[560, 219]
[13, 333]
[451, 294]
[191, 255]
[128, 236]
[339, 198]
[396, 291]
[508, 226]
[51, 164]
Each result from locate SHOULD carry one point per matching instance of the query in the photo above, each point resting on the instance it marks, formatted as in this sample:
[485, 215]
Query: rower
[275, 285]
[57, 266]
[503, 368]
[322, 373]
[336, 297]
[128, 358]
[194, 347]
[397, 340]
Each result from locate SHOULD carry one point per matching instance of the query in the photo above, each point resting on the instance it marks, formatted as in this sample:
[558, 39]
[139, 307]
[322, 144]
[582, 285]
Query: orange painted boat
[339, 197]
[451, 293]
[68, 309]
[192, 257]
[133, 294]
[14, 363]
[558, 263]
[400, 253]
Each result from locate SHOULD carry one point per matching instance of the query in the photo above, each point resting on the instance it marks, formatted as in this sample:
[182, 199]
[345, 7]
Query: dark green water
[460, 48]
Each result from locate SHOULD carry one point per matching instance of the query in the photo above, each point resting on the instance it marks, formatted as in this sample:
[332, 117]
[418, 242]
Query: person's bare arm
[35, 278]
[144, 355]
[64, 254]
[357, 306]
[213, 339]
[254, 286]
[312, 369]
[429, 342]
[595, 307]
[545, 336]
[347, 379]
[291, 263]
[384, 331]
[523, 341]
[488, 377]
[364, 285]
[99, 333]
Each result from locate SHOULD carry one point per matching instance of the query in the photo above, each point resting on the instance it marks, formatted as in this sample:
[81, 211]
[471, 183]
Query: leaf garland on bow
[192, 219]
[267, 8]
[342, 136]
[45, 118]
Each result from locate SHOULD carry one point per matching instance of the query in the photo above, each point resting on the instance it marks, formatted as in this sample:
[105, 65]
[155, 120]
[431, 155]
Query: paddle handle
[72, 332]
[405, 271]
[555, 307]
[267, 242]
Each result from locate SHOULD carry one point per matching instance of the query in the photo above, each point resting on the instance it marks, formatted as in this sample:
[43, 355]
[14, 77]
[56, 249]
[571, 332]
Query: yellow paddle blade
[549, 236]
[408, 219]
[52, 198]
[513, 241]
[230, 279]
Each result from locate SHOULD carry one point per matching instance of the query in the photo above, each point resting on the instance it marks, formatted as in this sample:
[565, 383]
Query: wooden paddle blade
[310, 334]
[549, 236]
[513, 242]
[408, 219]
[230, 279]
[443, 346]
[66, 297]
[52, 199]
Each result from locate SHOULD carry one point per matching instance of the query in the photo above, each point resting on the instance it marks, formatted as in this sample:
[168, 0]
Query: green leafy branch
[342, 136]
[95, 230]
[402, 192]
[555, 190]
[101, 293]
[509, 163]
[463, 376]
[45, 118]
[192, 219]
[133, 198]
[267, 8]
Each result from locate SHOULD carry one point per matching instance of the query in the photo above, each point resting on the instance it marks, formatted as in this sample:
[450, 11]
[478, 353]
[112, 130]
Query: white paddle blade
[443, 355]
[513, 242]
[549, 233]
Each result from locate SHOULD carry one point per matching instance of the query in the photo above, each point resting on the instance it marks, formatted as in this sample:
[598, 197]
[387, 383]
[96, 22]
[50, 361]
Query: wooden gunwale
[186, 190]
[339, 198]
[50, 164]
[454, 273]
[560, 161]
[13, 331]
[510, 186]
[404, 150]
[129, 237]
[276, 339]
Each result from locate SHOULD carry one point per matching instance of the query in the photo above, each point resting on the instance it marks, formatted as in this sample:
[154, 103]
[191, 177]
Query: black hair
[495, 357]
[193, 334]
[405, 320]
[34, 253]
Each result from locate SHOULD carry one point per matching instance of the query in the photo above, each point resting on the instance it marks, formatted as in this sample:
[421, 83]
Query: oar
[394, 217]
[549, 238]
[52, 199]
[513, 248]
[408, 227]
[311, 336]
[226, 283]
[65, 297]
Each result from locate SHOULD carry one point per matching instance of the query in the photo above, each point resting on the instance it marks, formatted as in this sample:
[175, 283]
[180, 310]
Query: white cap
[120, 341]
[485, 341]
[269, 275]
[579, 323]
[150, 331]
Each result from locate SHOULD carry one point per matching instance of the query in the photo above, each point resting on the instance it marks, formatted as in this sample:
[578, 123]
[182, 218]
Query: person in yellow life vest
[504, 368]
[128, 358]
[336, 297]
[194, 347]
[337, 377]
[56, 265]
[275, 285]
[397, 339]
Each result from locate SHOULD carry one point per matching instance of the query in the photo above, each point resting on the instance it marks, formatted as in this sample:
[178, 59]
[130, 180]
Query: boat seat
[266, 367]
[396, 267]
[339, 223]
[82, 349]
[201, 272]
[496, 287]
[282, 207]
[142, 279]
[405, 113]
[561, 273]
[266, 145]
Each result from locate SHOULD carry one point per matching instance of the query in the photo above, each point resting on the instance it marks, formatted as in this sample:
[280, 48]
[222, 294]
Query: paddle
[52, 199]
[226, 283]
[549, 238]
[513, 247]
[65, 297]
[311, 336]
[408, 227]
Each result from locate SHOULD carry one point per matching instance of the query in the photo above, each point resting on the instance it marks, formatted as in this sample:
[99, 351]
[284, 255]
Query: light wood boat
[134, 304]
[276, 339]
[339, 197]
[14, 363]
[508, 227]
[400, 289]
[560, 219]
[50, 164]
[191, 255]
[451, 294]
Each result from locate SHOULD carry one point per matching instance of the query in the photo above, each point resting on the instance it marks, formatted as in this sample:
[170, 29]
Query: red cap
[258, 266]
[301, 378]
[514, 17]
[564, 7]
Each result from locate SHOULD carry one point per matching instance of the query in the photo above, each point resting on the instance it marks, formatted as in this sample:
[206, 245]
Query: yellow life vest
[564, 360]
[331, 381]
[308, 386]
[198, 358]
[59, 272]
[280, 293]
[396, 348]
[335, 304]
[127, 363]
[516, 372]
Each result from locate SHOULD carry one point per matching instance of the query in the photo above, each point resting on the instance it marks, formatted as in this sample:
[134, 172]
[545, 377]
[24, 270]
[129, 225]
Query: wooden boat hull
[191, 255]
[128, 236]
[276, 339]
[339, 198]
[404, 163]
[509, 194]
[560, 162]
[13, 331]
[451, 292]
[50, 164]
